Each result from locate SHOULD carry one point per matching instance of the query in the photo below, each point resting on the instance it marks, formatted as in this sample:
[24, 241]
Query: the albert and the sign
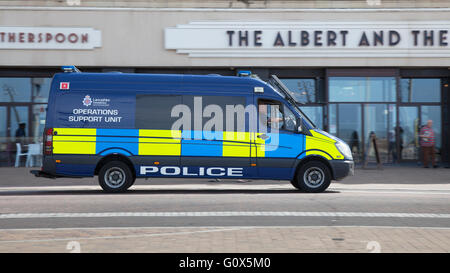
[310, 39]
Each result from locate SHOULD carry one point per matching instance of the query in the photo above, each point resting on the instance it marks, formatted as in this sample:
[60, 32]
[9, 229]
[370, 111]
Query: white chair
[33, 150]
[18, 154]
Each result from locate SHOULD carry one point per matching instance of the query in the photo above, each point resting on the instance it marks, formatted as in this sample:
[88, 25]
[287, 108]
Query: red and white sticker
[64, 86]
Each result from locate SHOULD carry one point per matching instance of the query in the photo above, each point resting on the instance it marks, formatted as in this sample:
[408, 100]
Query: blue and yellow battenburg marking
[186, 143]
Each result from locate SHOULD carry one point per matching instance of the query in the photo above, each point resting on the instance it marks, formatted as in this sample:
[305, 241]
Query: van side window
[290, 120]
[273, 114]
[270, 114]
[154, 111]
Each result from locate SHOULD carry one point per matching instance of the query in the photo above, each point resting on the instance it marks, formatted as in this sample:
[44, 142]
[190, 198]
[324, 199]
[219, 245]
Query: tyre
[294, 183]
[313, 177]
[115, 176]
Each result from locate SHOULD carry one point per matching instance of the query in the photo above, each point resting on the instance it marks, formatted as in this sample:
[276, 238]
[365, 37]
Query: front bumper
[342, 168]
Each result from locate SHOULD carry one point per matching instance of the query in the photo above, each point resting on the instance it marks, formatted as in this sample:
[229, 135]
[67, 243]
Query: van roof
[173, 78]
[173, 83]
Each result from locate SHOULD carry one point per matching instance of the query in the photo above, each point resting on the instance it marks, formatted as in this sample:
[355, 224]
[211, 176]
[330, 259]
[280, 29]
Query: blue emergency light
[70, 68]
[244, 73]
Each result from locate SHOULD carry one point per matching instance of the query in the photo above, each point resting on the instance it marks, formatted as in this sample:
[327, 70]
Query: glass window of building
[19, 115]
[315, 114]
[362, 89]
[3, 131]
[3, 123]
[40, 87]
[39, 112]
[305, 90]
[22, 114]
[420, 90]
[24, 89]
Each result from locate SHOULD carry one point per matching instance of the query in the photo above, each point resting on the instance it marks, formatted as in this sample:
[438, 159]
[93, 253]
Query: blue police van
[121, 126]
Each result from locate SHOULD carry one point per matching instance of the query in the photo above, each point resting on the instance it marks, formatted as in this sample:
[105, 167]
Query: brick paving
[230, 239]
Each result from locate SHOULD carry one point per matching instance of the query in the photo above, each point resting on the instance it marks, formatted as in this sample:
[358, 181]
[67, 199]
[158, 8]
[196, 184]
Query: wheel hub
[314, 177]
[115, 177]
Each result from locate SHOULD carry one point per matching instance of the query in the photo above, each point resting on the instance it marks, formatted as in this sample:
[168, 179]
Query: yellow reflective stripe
[74, 141]
[160, 142]
[76, 131]
[238, 150]
[236, 144]
[74, 148]
[322, 146]
[260, 143]
[160, 133]
[159, 149]
[74, 138]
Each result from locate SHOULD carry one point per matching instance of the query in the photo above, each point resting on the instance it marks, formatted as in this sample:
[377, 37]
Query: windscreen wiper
[286, 92]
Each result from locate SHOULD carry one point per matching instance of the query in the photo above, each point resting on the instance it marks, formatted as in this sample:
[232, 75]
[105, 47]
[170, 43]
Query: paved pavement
[228, 239]
[398, 209]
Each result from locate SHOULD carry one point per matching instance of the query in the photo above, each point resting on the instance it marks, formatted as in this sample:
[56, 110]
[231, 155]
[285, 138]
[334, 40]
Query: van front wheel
[314, 177]
[115, 176]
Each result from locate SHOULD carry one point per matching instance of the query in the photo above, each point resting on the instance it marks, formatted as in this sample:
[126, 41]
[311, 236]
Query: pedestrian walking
[427, 144]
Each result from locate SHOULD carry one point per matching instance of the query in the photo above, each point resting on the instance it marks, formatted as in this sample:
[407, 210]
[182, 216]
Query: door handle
[263, 136]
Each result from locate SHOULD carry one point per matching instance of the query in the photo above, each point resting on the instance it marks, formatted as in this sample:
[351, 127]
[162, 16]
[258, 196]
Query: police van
[122, 126]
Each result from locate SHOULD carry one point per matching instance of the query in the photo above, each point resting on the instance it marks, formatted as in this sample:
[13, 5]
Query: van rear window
[154, 111]
[160, 112]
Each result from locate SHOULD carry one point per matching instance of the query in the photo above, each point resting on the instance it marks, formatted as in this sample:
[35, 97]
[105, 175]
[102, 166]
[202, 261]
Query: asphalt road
[213, 199]
[184, 204]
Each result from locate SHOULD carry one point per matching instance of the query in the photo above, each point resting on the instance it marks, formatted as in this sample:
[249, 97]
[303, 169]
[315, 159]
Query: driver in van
[270, 117]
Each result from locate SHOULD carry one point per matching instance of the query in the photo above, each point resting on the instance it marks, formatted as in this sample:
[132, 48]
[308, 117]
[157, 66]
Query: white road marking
[223, 214]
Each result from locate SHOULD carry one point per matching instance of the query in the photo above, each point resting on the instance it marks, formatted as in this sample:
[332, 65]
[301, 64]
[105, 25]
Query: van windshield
[285, 93]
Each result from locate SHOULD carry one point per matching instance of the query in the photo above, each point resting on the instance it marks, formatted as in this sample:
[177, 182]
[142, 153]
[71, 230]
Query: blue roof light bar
[70, 68]
[244, 73]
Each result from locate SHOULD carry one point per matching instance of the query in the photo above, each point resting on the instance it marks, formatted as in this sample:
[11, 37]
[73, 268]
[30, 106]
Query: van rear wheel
[115, 176]
[313, 177]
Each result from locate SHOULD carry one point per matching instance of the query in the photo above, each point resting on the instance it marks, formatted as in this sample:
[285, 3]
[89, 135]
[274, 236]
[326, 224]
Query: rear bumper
[342, 168]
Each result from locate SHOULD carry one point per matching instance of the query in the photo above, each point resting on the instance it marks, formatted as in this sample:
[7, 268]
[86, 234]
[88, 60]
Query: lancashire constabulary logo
[87, 100]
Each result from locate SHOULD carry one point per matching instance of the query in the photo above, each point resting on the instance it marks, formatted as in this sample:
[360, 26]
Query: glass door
[355, 122]
[380, 120]
[346, 123]
[408, 130]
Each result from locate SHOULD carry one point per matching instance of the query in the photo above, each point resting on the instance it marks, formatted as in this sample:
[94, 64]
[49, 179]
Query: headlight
[344, 149]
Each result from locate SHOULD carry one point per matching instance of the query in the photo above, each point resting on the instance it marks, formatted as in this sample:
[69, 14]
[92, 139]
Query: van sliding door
[158, 143]
[218, 137]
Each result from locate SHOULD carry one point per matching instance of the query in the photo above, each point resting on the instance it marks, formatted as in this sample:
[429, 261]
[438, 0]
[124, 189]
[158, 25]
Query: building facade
[358, 66]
